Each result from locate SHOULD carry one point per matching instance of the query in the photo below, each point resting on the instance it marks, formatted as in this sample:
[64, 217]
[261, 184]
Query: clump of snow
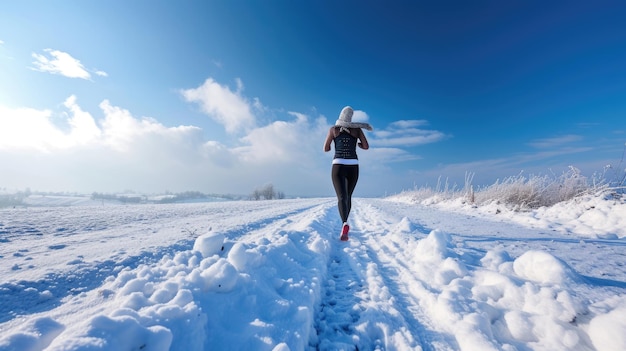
[36, 335]
[244, 258]
[220, 277]
[543, 268]
[121, 333]
[606, 330]
[210, 244]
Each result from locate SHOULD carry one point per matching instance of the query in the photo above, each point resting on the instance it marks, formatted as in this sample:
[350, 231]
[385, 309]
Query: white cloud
[26, 128]
[405, 133]
[407, 124]
[359, 116]
[30, 129]
[118, 151]
[282, 141]
[228, 108]
[62, 63]
[84, 129]
[555, 141]
[59, 62]
[386, 155]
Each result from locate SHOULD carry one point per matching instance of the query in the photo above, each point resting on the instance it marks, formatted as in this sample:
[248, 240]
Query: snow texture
[273, 275]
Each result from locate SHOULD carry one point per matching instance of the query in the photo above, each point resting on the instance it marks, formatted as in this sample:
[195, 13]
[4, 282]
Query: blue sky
[227, 96]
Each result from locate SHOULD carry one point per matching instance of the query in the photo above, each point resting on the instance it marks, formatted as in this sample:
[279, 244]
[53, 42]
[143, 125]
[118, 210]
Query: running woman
[345, 170]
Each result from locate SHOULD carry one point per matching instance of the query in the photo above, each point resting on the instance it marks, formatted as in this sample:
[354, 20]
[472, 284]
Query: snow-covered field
[272, 275]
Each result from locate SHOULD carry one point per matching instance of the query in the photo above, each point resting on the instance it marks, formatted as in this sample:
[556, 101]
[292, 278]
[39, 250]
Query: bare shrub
[535, 191]
[518, 192]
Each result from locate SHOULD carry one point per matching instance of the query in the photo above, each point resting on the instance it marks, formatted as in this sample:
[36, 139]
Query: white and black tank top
[345, 147]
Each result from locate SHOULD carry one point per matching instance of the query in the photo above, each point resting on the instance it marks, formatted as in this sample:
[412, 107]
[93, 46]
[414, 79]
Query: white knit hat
[345, 120]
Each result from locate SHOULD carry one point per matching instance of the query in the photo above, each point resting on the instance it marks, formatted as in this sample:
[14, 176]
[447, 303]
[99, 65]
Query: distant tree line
[12, 200]
[168, 198]
[267, 192]
[126, 199]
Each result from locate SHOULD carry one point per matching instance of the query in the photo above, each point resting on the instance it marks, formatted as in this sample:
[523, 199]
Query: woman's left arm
[363, 144]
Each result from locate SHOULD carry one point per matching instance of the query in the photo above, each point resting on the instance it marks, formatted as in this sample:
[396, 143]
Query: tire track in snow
[360, 308]
[402, 285]
[339, 309]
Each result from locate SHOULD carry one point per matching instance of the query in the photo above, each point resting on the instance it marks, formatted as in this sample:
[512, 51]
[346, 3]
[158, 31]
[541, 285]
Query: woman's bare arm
[363, 144]
[329, 139]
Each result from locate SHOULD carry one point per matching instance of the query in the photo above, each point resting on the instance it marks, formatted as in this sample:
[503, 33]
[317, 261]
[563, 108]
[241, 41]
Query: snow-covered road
[411, 277]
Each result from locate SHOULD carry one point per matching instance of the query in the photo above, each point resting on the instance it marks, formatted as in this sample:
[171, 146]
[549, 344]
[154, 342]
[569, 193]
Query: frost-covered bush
[523, 192]
[519, 192]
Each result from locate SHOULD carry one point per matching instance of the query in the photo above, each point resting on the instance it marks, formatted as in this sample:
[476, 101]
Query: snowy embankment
[272, 275]
[585, 216]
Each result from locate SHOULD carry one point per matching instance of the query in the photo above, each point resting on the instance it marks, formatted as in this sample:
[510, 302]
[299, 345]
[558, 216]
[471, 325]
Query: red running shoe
[344, 232]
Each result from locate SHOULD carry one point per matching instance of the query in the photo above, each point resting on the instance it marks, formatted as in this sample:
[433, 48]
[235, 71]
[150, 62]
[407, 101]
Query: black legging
[344, 180]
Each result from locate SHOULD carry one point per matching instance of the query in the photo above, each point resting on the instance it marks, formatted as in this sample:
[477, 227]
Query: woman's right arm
[329, 139]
